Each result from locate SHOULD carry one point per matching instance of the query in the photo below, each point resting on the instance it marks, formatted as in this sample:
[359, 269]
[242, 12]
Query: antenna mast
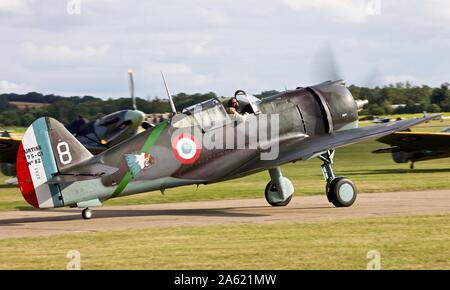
[172, 104]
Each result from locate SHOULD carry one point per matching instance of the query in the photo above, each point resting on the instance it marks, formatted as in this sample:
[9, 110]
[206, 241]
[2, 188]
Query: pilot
[233, 111]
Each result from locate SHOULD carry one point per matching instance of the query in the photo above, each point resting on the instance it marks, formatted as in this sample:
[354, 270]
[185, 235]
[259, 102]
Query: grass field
[371, 173]
[408, 116]
[420, 242]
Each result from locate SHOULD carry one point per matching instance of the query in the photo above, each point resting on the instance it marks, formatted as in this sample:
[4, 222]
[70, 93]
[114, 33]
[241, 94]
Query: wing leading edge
[305, 149]
[312, 147]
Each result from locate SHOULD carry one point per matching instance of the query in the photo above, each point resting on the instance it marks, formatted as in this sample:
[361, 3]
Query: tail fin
[47, 149]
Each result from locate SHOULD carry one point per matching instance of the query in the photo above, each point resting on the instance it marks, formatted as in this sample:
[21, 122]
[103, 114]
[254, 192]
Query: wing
[392, 149]
[304, 149]
[314, 146]
[8, 149]
[414, 141]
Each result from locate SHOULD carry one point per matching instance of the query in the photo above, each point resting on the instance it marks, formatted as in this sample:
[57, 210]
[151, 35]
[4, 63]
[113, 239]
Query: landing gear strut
[341, 191]
[279, 190]
[86, 213]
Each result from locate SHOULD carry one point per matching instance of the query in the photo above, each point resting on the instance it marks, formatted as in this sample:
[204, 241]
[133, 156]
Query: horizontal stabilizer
[87, 172]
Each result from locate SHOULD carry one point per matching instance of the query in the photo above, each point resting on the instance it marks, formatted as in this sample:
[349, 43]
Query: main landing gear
[87, 214]
[279, 190]
[341, 191]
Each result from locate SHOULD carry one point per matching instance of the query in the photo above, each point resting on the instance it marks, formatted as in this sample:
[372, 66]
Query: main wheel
[341, 192]
[274, 197]
[86, 214]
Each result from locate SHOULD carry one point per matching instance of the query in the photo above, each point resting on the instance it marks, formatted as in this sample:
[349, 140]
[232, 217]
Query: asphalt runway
[32, 223]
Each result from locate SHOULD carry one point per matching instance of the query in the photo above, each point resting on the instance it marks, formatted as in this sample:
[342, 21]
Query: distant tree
[387, 107]
[433, 108]
[440, 95]
[377, 110]
[10, 118]
[416, 100]
[4, 104]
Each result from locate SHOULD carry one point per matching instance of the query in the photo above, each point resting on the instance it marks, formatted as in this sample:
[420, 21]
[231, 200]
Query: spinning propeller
[124, 119]
[325, 67]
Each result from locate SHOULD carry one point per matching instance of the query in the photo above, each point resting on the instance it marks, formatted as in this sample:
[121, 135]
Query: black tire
[342, 192]
[327, 190]
[86, 214]
[267, 192]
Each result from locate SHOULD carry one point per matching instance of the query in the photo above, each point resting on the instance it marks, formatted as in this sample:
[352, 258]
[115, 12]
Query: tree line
[414, 99]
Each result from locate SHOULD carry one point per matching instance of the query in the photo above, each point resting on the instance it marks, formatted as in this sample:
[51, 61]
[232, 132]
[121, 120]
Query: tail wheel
[342, 192]
[87, 214]
[274, 197]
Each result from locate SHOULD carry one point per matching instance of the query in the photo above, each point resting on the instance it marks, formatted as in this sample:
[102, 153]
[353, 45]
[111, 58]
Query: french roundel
[186, 148]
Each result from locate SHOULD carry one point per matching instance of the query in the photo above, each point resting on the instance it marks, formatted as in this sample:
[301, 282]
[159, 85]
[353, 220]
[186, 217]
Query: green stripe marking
[154, 135]
[123, 184]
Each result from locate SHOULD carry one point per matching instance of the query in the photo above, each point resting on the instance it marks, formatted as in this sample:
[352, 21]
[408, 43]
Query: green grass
[419, 242]
[371, 173]
[16, 130]
[408, 116]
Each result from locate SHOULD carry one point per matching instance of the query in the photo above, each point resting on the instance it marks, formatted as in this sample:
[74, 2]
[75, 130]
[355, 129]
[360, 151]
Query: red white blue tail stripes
[36, 165]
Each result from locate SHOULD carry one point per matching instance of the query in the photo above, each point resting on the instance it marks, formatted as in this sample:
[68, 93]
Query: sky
[85, 47]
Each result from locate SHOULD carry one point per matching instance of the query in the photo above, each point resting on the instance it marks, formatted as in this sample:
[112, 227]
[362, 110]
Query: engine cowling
[402, 157]
[339, 104]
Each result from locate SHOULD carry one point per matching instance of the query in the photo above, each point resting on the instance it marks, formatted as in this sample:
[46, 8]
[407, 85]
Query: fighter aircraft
[416, 146]
[55, 170]
[96, 136]
[381, 120]
[9, 147]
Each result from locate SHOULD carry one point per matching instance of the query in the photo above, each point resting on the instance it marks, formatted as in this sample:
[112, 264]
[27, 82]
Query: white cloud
[15, 6]
[62, 54]
[9, 87]
[220, 45]
[212, 16]
[341, 10]
[438, 10]
[170, 68]
[180, 71]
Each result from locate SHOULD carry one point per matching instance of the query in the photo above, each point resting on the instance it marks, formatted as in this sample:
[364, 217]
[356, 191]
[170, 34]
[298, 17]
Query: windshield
[249, 103]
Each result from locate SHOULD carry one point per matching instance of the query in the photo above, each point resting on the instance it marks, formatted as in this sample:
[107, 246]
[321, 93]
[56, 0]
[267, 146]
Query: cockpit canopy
[248, 103]
[212, 114]
[208, 115]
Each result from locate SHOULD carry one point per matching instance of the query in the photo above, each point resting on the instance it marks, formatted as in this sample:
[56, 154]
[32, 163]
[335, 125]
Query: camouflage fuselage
[304, 113]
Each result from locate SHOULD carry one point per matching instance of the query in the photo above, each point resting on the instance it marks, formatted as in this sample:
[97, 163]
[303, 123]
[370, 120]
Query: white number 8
[64, 153]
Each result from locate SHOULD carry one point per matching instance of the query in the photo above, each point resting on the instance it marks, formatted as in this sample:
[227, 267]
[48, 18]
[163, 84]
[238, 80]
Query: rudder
[47, 149]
